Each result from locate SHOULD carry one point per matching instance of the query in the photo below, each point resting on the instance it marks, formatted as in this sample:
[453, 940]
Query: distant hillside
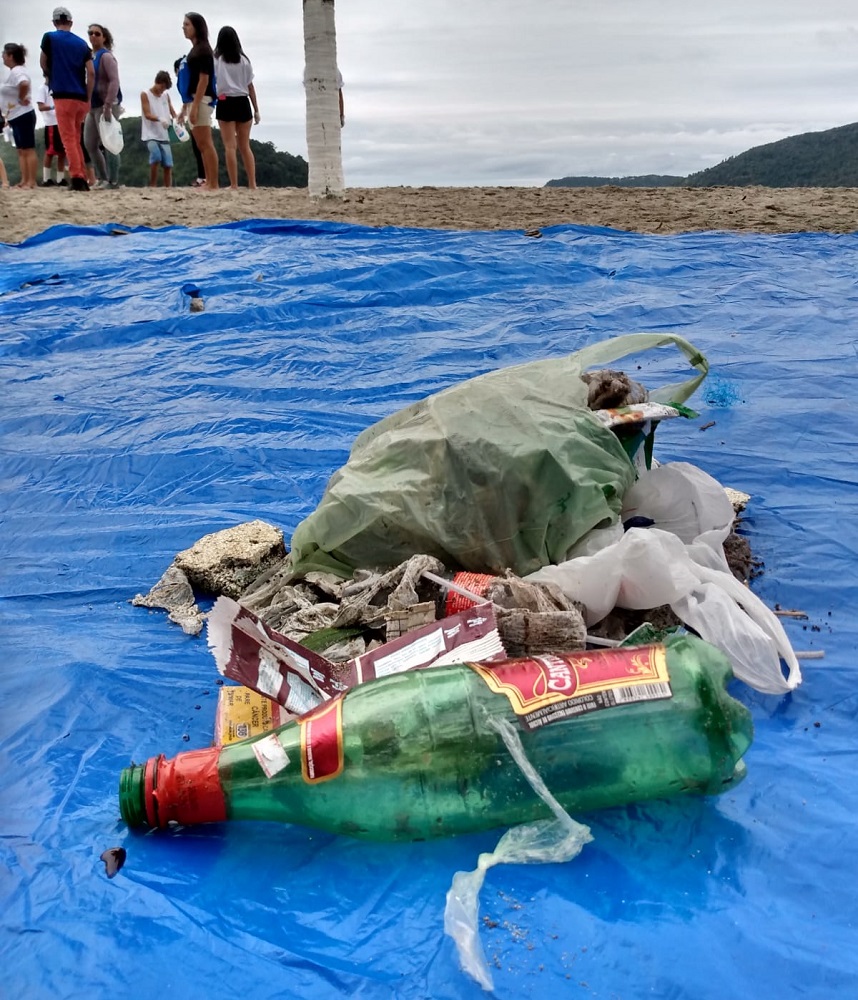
[812, 159]
[644, 180]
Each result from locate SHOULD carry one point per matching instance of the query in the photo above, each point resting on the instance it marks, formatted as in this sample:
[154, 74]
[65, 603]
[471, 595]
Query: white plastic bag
[110, 133]
[677, 497]
[682, 499]
[543, 842]
[649, 567]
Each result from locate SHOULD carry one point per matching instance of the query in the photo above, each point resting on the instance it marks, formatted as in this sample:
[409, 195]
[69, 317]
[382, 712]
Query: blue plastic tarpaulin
[132, 426]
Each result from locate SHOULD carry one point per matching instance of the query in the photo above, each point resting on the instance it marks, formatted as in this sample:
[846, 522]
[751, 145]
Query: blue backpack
[183, 83]
[96, 59]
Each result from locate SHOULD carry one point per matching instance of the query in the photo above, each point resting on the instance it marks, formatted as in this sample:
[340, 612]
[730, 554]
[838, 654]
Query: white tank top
[159, 106]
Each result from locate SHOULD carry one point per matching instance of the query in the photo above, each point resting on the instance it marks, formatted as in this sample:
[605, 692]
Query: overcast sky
[466, 92]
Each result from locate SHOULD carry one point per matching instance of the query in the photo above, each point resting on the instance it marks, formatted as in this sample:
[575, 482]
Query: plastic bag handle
[598, 355]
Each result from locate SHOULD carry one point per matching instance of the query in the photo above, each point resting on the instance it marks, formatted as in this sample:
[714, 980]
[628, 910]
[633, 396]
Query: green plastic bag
[507, 470]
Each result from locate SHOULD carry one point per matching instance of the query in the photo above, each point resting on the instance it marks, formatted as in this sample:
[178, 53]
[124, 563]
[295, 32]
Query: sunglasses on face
[97, 34]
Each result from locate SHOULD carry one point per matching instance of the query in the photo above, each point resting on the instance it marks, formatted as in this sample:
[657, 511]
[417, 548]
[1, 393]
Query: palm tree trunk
[324, 151]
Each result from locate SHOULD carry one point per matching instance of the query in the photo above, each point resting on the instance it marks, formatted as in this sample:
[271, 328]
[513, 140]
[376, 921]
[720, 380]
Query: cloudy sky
[465, 92]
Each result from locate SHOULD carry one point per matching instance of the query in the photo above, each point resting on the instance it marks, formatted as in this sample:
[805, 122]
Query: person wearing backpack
[104, 103]
[183, 82]
[201, 89]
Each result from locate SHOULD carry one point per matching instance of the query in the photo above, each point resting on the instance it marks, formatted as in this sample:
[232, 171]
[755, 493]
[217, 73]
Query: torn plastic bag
[508, 470]
[649, 567]
[544, 842]
[686, 501]
[677, 497]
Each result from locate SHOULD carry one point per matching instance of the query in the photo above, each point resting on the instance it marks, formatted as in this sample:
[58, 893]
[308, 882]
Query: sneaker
[48, 183]
[101, 186]
[79, 184]
[199, 182]
[63, 183]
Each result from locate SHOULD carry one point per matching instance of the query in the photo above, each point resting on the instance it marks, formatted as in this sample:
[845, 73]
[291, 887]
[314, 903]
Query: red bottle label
[322, 742]
[185, 790]
[548, 688]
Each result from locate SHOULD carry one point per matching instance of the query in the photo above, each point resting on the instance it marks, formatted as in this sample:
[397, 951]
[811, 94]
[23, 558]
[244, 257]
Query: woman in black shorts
[19, 108]
[235, 95]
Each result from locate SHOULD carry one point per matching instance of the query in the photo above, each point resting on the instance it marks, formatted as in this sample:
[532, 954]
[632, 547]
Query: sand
[646, 210]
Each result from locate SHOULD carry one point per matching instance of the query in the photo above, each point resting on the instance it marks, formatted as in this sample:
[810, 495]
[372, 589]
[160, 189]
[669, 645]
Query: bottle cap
[132, 803]
[184, 790]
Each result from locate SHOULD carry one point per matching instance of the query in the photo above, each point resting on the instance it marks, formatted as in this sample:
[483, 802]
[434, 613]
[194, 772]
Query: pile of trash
[519, 514]
[533, 489]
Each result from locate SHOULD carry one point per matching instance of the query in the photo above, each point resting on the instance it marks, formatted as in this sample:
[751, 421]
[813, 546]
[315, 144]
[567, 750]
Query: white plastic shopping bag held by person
[680, 561]
[110, 133]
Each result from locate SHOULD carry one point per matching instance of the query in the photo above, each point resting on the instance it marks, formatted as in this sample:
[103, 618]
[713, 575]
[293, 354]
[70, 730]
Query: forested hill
[273, 167]
[643, 180]
[812, 159]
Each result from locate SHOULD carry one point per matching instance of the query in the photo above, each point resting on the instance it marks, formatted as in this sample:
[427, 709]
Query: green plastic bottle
[414, 755]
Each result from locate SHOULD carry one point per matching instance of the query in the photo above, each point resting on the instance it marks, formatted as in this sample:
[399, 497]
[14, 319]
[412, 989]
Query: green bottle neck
[185, 790]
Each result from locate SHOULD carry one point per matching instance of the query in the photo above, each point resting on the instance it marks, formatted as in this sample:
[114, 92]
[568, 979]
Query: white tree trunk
[324, 151]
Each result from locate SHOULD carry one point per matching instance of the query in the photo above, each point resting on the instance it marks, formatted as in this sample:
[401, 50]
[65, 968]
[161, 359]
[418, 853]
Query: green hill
[812, 159]
[273, 167]
[642, 180]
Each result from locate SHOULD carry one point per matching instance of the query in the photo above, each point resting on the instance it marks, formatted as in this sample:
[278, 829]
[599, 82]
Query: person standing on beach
[158, 113]
[201, 88]
[235, 95]
[104, 103]
[183, 79]
[54, 149]
[20, 111]
[67, 63]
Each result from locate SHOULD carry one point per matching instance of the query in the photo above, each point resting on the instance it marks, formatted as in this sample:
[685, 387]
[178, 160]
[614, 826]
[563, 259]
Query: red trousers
[70, 117]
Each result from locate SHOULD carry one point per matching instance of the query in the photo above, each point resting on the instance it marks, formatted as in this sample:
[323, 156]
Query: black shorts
[234, 109]
[24, 130]
[54, 141]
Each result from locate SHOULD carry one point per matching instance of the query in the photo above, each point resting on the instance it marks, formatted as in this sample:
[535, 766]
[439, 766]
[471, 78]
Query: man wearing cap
[67, 63]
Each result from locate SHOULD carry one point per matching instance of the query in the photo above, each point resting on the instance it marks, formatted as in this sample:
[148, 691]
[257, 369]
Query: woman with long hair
[201, 88]
[235, 95]
[180, 68]
[104, 103]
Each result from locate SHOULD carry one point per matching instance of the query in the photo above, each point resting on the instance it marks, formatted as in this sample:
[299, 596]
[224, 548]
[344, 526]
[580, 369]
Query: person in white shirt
[54, 148]
[16, 96]
[158, 115]
[235, 95]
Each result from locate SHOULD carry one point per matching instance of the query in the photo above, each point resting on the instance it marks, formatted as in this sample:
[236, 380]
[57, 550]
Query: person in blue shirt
[66, 61]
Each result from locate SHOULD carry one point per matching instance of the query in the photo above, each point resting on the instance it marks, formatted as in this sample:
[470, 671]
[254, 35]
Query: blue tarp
[131, 427]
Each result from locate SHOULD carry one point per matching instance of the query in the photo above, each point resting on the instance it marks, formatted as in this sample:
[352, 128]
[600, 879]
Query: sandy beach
[646, 210]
